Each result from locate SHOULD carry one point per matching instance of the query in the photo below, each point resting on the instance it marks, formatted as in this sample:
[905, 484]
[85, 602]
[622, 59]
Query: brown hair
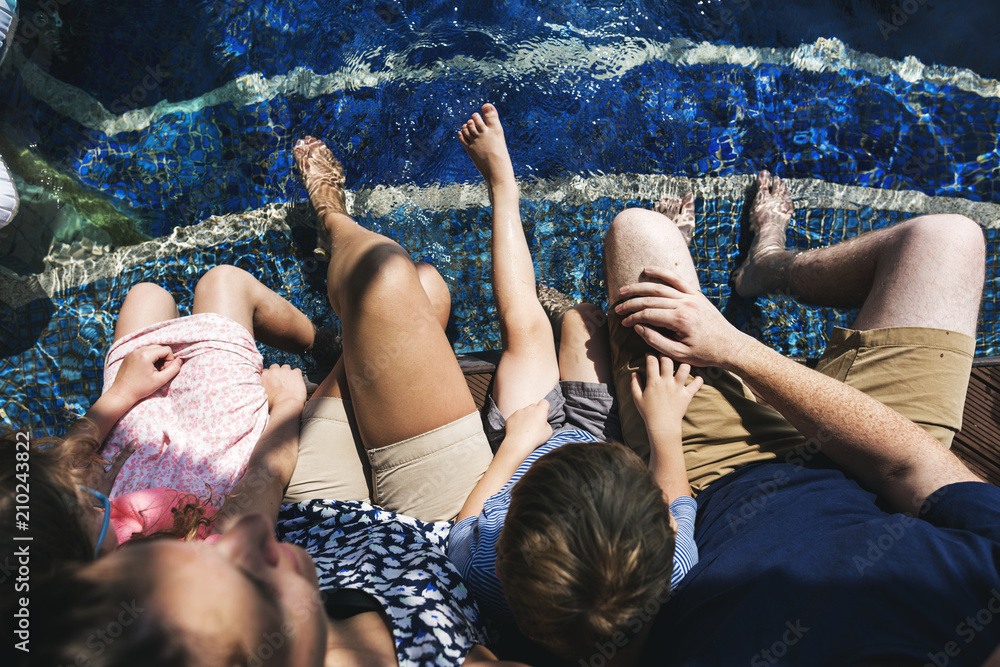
[58, 509]
[586, 545]
[55, 516]
[102, 614]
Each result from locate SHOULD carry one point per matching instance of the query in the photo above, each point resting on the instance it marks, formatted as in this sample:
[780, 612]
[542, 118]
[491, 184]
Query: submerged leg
[925, 272]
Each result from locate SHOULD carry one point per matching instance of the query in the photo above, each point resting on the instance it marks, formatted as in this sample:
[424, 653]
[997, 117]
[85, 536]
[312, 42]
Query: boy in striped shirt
[567, 534]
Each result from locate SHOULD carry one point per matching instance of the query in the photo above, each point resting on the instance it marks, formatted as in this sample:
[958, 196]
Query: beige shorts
[427, 477]
[922, 373]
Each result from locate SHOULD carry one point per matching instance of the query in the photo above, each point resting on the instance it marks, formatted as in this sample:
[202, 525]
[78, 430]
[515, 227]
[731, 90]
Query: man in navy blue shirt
[836, 528]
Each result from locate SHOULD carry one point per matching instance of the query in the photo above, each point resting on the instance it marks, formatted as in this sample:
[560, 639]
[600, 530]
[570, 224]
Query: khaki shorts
[922, 373]
[428, 477]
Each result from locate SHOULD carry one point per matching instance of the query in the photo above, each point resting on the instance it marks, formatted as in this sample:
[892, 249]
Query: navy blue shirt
[799, 565]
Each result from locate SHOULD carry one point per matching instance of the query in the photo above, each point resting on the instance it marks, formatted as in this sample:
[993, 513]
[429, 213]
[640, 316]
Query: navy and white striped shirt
[473, 541]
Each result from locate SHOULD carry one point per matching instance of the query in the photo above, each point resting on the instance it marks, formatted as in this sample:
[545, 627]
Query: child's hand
[664, 399]
[143, 371]
[528, 428]
[283, 383]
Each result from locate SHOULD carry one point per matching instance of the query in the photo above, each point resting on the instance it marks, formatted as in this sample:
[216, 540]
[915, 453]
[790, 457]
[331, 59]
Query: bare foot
[766, 266]
[680, 212]
[324, 179]
[482, 136]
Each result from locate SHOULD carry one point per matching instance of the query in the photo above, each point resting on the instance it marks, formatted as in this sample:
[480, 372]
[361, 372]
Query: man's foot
[482, 136]
[680, 212]
[766, 266]
[324, 179]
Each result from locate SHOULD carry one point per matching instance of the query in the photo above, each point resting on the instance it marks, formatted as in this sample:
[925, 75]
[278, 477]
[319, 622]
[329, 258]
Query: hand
[143, 371]
[528, 428]
[283, 383]
[695, 331]
[664, 399]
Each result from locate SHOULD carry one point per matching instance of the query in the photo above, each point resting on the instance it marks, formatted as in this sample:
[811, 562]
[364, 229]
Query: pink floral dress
[196, 433]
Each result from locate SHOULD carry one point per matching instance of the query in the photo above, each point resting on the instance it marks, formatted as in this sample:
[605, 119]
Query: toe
[764, 180]
[479, 122]
[490, 114]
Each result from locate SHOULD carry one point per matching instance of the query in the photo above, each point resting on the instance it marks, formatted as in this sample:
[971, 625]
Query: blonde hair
[585, 547]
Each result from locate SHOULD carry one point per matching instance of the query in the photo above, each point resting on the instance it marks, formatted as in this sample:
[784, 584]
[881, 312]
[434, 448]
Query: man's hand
[283, 383]
[528, 429]
[677, 320]
[143, 371]
[664, 399]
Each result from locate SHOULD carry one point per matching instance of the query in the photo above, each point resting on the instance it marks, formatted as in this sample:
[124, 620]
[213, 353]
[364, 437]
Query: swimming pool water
[157, 118]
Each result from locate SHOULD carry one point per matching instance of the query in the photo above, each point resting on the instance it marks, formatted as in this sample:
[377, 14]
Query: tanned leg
[402, 374]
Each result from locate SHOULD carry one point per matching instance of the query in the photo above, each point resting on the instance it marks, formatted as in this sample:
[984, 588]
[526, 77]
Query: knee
[584, 321]
[436, 289]
[626, 224]
[382, 270]
[221, 278]
[148, 292]
[950, 237]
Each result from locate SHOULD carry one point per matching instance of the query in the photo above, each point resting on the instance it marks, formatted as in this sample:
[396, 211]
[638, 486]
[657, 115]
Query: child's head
[39, 491]
[587, 548]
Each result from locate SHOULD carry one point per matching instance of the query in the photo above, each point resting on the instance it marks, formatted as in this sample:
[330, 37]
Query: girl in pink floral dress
[187, 398]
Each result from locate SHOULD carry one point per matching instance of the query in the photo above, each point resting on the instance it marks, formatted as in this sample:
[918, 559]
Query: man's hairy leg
[925, 272]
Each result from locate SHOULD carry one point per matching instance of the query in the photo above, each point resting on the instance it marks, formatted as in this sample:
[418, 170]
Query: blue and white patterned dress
[402, 563]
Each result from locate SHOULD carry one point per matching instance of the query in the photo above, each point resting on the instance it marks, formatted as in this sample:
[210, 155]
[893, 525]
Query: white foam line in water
[378, 202]
[556, 57]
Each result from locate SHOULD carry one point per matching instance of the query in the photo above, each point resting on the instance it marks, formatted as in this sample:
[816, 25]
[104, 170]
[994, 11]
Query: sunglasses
[100, 500]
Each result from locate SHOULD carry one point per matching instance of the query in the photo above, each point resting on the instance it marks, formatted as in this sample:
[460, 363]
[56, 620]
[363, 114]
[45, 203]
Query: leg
[145, 304]
[437, 291]
[724, 428]
[234, 293]
[924, 272]
[403, 377]
[528, 368]
[584, 348]
[335, 384]
[917, 284]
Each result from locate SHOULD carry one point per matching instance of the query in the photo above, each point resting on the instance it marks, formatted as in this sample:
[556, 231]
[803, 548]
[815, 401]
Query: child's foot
[770, 213]
[680, 212]
[323, 176]
[482, 136]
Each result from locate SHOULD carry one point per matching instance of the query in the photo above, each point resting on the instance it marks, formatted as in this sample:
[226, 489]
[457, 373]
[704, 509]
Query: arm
[886, 451]
[527, 430]
[272, 463]
[142, 372]
[662, 403]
